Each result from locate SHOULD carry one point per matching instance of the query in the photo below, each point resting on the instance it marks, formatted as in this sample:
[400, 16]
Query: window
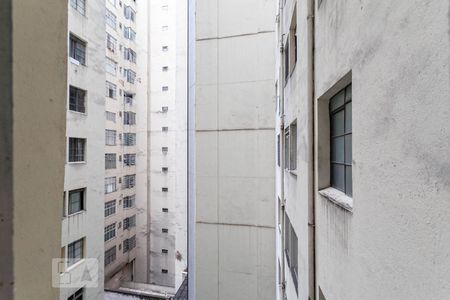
[111, 90]
[165, 189]
[165, 169]
[110, 137]
[75, 252]
[129, 33]
[129, 139]
[111, 42]
[164, 251]
[110, 161]
[165, 68]
[278, 150]
[129, 118]
[286, 60]
[130, 75]
[165, 48]
[129, 54]
[129, 181]
[128, 98]
[290, 147]
[129, 222]
[110, 232]
[77, 99]
[165, 109]
[164, 230]
[128, 201]
[129, 159]
[110, 116]
[111, 66]
[129, 244]
[164, 271]
[77, 49]
[129, 13]
[165, 149]
[79, 5]
[111, 19]
[77, 296]
[165, 210]
[110, 185]
[77, 149]
[110, 256]
[110, 208]
[341, 140]
[165, 129]
[165, 88]
[76, 201]
[291, 249]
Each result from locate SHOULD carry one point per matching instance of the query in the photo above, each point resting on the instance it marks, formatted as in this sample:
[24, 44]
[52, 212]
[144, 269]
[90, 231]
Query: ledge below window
[337, 197]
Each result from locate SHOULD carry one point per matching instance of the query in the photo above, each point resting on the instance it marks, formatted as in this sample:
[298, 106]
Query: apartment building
[167, 145]
[231, 150]
[82, 214]
[120, 150]
[362, 113]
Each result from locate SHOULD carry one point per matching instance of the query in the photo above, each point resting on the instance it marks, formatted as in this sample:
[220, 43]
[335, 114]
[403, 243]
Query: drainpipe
[312, 209]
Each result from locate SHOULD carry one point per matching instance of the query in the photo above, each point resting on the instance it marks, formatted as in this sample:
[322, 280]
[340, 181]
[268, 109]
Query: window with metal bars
[129, 181]
[110, 255]
[76, 201]
[110, 208]
[77, 149]
[129, 201]
[111, 42]
[129, 159]
[341, 140]
[291, 249]
[129, 13]
[79, 5]
[77, 49]
[111, 90]
[129, 118]
[77, 99]
[75, 251]
[129, 222]
[129, 54]
[129, 139]
[111, 66]
[110, 160]
[111, 19]
[110, 116]
[110, 137]
[129, 244]
[110, 185]
[110, 232]
[129, 33]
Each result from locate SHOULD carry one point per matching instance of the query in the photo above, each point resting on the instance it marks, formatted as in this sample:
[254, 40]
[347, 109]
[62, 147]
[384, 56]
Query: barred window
[165, 129]
[110, 185]
[129, 244]
[290, 147]
[129, 13]
[129, 159]
[129, 181]
[76, 201]
[111, 19]
[110, 137]
[129, 54]
[129, 222]
[341, 140]
[111, 42]
[110, 160]
[165, 109]
[165, 169]
[165, 150]
[129, 118]
[111, 90]
[77, 149]
[111, 66]
[110, 208]
[77, 49]
[110, 232]
[165, 88]
[110, 255]
[165, 68]
[129, 201]
[165, 210]
[165, 189]
[128, 98]
[75, 252]
[291, 249]
[130, 75]
[77, 99]
[165, 48]
[129, 33]
[110, 116]
[129, 139]
[164, 230]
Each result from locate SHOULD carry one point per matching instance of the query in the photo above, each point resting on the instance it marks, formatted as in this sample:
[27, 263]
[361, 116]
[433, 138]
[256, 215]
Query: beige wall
[39, 47]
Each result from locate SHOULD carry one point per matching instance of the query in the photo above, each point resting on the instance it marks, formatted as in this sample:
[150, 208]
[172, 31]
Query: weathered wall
[395, 243]
[39, 79]
[234, 175]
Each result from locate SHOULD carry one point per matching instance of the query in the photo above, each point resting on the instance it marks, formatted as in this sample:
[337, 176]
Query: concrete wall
[393, 245]
[234, 175]
[33, 106]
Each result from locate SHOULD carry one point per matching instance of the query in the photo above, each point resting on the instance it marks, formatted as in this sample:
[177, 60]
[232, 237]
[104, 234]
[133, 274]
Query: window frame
[77, 49]
[73, 155]
[82, 205]
[77, 99]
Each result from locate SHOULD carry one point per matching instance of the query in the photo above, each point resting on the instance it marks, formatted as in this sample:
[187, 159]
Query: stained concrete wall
[394, 244]
[34, 106]
[234, 153]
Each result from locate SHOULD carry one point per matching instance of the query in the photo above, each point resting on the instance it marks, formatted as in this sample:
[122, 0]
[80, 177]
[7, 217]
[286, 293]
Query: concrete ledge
[337, 197]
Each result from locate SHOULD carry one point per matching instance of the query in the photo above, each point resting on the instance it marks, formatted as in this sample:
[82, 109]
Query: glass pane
[337, 101]
[348, 117]
[337, 176]
[348, 149]
[337, 149]
[348, 93]
[337, 123]
[348, 181]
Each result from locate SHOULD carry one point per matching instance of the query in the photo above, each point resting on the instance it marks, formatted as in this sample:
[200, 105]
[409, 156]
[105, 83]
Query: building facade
[231, 150]
[82, 215]
[361, 216]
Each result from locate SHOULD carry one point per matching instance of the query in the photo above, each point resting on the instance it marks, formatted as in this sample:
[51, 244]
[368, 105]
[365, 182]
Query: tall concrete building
[167, 144]
[82, 214]
[231, 150]
[362, 166]
[123, 85]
